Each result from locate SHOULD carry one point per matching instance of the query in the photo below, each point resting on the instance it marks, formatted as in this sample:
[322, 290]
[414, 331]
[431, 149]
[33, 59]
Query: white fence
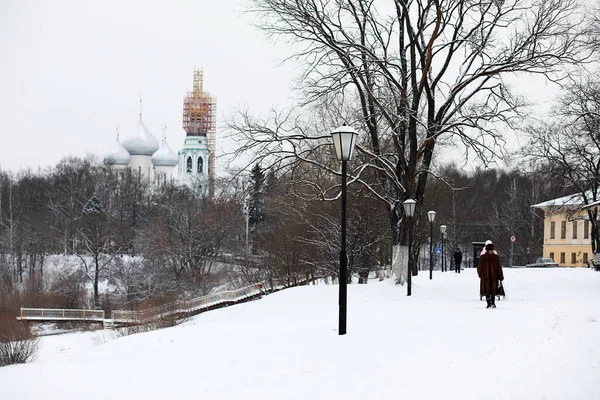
[155, 313]
[55, 314]
[195, 305]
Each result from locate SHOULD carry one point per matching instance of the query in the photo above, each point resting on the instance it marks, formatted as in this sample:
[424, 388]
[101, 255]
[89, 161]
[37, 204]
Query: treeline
[153, 243]
[493, 204]
[147, 242]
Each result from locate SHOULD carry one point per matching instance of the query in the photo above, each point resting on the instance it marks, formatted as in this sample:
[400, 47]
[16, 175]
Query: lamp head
[344, 140]
[409, 207]
[431, 216]
[443, 229]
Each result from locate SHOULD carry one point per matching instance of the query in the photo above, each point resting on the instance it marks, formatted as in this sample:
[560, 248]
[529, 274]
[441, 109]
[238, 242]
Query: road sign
[438, 250]
[513, 238]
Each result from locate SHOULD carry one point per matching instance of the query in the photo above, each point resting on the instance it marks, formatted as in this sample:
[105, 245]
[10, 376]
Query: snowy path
[440, 343]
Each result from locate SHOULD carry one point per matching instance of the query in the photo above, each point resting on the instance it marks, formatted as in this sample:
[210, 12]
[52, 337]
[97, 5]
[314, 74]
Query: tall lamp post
[443, 232]
[409, 211]
[247, 223]
[344, 139]
[431, 217]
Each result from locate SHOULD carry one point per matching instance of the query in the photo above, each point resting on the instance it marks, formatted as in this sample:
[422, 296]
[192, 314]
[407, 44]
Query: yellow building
[567, 231]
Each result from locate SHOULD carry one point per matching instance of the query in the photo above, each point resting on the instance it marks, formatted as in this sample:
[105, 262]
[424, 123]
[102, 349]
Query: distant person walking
[489, 270]
[457, 260]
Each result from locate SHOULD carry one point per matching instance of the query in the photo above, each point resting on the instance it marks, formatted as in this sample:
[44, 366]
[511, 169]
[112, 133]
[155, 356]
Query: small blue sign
[438, 250]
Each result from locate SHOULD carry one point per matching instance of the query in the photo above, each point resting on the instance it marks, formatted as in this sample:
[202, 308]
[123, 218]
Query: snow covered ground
[542, 342]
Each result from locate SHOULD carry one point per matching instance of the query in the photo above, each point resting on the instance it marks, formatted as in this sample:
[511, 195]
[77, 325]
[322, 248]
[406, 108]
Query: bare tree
[569, 145]
[72, 182]
[98, 246]
[412, 75]
[10, 241]
[189, 228]
[143, 280]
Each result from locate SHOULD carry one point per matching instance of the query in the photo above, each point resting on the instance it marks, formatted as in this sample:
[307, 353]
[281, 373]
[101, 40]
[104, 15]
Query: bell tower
[197, 157]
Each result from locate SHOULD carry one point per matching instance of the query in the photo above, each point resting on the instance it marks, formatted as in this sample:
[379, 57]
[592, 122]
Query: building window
[575, 229]
[562, 258]
[188, 165]
[552, 256]
[563, 229]
[552, 230]
[200, 165]
[573, 258]
[586, 229]
[585, 257]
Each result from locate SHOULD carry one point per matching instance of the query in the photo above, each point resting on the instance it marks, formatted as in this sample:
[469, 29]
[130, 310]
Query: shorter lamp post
[443, 232]
[344, 139]
[431, 217]
[409, 211]
[247, 215]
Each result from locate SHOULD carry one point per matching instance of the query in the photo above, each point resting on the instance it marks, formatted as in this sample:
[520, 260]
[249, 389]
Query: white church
[140, 152]
[195, 162]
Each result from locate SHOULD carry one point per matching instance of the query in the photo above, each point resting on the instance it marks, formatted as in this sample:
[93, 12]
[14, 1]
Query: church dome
[165, 157]
[142, 143]
[119, 156]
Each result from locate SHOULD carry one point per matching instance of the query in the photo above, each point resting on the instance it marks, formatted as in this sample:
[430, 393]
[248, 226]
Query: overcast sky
[72, 70]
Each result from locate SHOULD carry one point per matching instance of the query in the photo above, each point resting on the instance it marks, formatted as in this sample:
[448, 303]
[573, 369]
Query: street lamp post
[431, 217]
[344, 139]
[246, 212]
[409, 211]
[247, 223]
[443, 232]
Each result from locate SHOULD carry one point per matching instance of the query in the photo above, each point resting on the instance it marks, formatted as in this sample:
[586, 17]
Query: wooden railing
[55, 314]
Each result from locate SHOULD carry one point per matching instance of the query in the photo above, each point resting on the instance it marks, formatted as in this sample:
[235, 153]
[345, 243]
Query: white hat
[488, 242]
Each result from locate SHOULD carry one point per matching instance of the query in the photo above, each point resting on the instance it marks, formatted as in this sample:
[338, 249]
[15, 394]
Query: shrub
[133, 329]
[62, 289]
[17, 343]
[68, 289]
[168, 321]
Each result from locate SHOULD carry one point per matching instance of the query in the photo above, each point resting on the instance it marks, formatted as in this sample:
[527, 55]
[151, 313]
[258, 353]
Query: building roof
[165, 156]
[142, 142]
[118, 156]
[571, 201]
[592, 204]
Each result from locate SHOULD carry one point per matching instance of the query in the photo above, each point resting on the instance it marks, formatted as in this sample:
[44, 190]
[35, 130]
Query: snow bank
[540, 343]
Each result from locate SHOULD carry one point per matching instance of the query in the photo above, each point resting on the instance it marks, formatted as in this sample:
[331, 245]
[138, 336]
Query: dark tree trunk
[20, 266]
[96, 278]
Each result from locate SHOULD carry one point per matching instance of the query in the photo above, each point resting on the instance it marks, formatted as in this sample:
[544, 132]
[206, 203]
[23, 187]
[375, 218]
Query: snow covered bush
[17, 343]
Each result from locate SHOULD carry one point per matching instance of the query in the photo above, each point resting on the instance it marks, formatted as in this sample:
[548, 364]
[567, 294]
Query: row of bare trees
[151, 243]
[117, 225]
[416, 76]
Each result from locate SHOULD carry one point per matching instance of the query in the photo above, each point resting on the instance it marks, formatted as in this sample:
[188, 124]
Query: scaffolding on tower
[199, 119]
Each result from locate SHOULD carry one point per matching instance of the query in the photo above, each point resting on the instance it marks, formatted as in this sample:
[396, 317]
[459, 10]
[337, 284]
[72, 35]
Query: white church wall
[143, 165]
[164, 173]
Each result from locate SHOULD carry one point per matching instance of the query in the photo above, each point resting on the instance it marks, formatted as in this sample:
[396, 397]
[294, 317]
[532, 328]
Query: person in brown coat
[489, 270]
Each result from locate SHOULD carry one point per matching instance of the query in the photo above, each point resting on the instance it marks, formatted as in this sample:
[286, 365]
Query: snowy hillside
[440, 343]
